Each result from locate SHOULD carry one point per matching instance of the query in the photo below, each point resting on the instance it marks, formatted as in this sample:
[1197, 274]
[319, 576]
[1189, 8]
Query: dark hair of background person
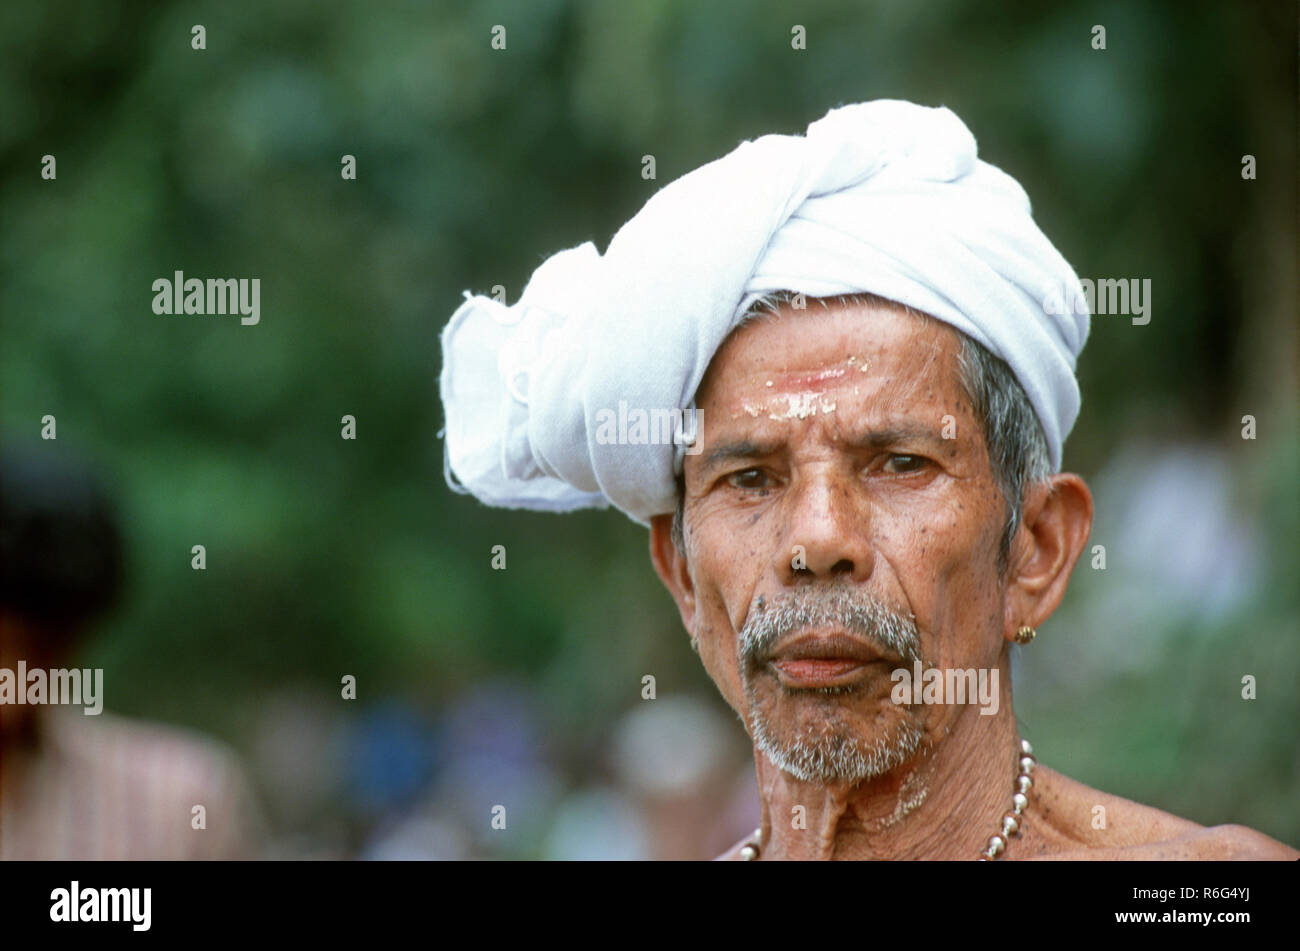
[61, 551]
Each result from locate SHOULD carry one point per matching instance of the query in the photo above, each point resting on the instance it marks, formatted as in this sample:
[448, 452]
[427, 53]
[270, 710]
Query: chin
[832, 735]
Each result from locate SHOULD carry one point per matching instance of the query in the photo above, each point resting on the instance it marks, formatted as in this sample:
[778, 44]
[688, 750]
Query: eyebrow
[892, 435]
[872, 439]
[744, 449]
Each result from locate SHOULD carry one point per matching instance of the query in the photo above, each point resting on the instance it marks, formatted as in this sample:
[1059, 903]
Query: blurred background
[523, 687]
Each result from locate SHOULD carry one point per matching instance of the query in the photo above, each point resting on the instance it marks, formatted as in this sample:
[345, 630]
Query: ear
[1053, 530]
[670, 565]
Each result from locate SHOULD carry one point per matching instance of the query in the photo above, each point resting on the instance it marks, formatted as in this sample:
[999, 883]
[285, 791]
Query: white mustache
[859, 613]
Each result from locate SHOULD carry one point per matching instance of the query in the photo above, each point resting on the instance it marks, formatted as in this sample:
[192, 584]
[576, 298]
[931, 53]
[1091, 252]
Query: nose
[827, 531]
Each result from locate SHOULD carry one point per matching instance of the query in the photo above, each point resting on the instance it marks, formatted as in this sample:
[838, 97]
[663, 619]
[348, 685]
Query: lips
[834, 660]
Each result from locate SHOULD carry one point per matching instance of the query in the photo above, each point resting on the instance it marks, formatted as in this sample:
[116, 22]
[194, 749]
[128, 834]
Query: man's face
[842, 520]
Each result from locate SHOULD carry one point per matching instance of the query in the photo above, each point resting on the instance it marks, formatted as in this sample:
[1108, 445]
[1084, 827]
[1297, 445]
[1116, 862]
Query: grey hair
[1012, 434]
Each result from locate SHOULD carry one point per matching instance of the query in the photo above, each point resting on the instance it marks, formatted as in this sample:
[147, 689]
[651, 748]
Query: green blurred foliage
[328, 557]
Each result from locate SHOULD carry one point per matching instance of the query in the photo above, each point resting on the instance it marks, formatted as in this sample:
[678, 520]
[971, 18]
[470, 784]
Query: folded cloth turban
[884, 197]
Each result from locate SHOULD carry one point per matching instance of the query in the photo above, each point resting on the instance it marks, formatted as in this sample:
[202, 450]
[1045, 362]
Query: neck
[944, 803]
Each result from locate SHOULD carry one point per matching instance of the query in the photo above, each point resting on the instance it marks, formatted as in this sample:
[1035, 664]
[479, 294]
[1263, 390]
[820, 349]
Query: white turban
[884, 197]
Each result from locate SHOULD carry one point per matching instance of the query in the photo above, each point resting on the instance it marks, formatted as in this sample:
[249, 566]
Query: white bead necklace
[1012, 821]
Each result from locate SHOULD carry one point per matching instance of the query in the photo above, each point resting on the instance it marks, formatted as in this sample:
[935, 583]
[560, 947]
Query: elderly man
[867, 349]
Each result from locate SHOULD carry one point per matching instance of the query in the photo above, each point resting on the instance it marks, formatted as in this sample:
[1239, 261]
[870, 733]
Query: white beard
[832, 757]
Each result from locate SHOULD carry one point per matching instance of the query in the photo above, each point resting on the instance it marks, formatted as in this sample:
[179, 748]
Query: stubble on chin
[832, 735]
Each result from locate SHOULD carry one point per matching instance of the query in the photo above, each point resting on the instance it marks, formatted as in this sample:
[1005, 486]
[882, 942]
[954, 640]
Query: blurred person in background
[674, 759]
[75, 782]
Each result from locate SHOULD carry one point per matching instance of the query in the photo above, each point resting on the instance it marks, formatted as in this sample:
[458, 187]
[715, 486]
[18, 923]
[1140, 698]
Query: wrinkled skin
[841, 435]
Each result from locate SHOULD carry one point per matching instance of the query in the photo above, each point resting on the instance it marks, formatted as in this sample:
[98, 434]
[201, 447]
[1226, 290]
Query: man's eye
[748, 479]
[904, 463]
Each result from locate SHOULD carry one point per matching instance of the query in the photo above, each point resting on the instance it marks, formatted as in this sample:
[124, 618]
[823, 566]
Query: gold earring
[1025, 635]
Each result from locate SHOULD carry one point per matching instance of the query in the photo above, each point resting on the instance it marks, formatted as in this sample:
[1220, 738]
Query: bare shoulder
[732, 854]
[1077, 822]
[1226, 843]
[141, 750]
